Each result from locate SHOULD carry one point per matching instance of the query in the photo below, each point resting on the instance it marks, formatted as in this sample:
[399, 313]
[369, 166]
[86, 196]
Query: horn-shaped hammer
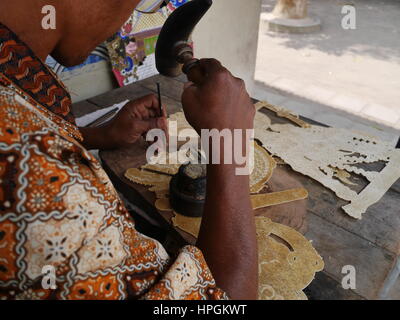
[173, 53]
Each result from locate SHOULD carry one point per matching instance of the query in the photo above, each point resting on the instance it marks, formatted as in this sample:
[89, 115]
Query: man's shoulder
[17, 117]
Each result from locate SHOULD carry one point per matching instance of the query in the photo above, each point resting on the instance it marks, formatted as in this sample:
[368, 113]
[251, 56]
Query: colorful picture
[132, 49]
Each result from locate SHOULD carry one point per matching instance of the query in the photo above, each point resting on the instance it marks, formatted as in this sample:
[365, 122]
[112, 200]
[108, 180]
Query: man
[58, 207]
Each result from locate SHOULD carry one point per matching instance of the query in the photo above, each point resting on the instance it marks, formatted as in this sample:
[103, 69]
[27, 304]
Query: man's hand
[227, 235]
[133, 121]
[219, 102]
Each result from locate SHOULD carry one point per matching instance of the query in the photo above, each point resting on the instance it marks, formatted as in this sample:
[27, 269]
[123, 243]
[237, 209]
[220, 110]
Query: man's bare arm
[227, 236]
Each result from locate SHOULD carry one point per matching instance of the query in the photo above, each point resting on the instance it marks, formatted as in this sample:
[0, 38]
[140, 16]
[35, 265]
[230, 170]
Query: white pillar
[229, 33]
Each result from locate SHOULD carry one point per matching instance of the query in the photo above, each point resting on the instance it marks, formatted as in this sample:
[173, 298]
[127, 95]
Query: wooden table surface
[371, 245]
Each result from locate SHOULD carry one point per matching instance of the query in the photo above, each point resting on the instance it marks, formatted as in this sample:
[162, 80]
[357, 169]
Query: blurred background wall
[229, 32]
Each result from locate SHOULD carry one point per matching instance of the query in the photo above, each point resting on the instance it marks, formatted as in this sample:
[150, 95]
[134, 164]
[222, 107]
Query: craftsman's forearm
[227, 236]
[97, 138]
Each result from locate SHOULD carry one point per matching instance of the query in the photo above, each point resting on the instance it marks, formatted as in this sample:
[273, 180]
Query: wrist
[230, 153]
[98, 137]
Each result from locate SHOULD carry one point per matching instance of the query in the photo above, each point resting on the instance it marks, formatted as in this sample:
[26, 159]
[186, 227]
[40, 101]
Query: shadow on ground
[373, 35]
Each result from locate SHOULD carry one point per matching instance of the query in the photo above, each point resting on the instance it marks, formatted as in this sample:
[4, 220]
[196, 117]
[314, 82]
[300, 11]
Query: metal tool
[173, 52]
[103, 118]
[159, 98]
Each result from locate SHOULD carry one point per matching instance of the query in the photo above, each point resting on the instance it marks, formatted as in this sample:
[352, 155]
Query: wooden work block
[172, 106]
[380, 224]
[82, 108]
[339, 247]
[292, 214]
[130, 92]
[396, 186]
[171, 88]
[324, 287]
[394, 293]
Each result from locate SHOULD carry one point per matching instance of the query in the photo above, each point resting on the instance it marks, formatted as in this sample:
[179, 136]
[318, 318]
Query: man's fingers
[152, 123]
[211, 67]
[147, 106]
[164, 113]
[210, 64]
[148, 101]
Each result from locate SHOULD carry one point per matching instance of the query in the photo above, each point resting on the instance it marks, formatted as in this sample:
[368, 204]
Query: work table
[371, 245]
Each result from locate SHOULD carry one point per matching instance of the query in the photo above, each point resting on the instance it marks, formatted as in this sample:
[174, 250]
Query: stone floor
[344, 78]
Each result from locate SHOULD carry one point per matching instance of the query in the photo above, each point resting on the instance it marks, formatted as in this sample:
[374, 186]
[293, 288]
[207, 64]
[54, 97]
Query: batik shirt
[59, 213]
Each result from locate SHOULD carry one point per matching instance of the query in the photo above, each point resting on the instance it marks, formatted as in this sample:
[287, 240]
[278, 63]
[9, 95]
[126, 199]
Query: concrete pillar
[229, 33]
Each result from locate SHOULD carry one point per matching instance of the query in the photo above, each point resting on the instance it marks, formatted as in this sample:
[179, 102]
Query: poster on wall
[132, 49]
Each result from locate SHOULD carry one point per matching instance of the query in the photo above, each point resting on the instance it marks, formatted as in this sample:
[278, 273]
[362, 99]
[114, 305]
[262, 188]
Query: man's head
[81, 25]
[86, 24]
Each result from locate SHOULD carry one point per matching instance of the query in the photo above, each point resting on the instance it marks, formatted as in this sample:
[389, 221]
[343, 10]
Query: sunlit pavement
[344, 78]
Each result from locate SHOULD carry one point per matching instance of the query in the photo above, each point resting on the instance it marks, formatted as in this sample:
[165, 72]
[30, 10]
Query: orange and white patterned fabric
[58, 208]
